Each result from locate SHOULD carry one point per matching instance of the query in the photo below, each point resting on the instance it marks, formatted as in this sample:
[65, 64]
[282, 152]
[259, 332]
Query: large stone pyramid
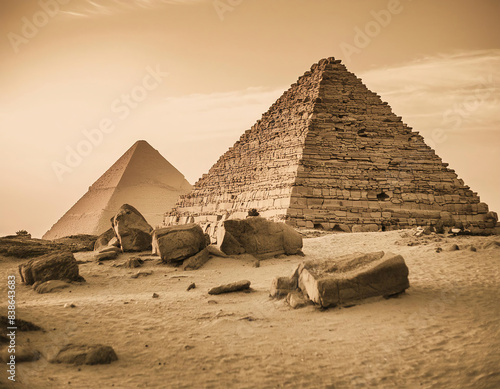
[330, 154]
[141, 177]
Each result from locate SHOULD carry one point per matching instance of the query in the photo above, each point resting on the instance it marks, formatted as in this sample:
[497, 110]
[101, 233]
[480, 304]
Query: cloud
[93, 8]
[456, 92]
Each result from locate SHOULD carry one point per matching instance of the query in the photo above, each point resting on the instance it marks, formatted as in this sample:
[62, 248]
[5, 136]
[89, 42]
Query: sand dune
[444, 332]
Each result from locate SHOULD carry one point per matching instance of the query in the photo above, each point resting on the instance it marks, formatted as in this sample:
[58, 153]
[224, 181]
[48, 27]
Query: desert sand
[442, 333]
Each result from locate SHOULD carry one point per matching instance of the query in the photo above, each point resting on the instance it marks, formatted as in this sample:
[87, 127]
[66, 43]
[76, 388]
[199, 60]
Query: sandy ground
[443, 333]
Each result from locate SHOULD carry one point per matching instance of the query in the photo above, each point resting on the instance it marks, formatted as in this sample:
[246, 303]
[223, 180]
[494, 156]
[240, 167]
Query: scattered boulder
[453, 247]
[296, 300]
[492, 245]
[78, 243]
[95, 354]
[229, 288]
[132, 229]
[258, 236]
[155, 295]
[109, 252]
[196, 261]
[345, 279]
[176, 243]
[104, 239]
[50, 286]
[22, 325]
[191, 286]
[353, 277]
[133, 263]
[55, 266]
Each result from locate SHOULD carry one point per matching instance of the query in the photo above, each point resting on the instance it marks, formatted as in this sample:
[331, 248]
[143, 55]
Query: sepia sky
[190, 76]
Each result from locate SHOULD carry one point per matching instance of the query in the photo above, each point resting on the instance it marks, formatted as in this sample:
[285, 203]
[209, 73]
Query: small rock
[455, 230]
[439, 249]
[256, 263]
[196, 261]
[212, 302]
[155, 295]
[85, 354]
[229, 288]
[453, 247]
[71, 305]
[296, 300]
[133, 263]
[141, 274]
[191, 286]
[472, 248]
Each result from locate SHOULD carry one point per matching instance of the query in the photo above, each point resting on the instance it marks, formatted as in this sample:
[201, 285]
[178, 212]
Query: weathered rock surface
[282, 286]
[132, 229]
[96, 354]
[176, 243]
[104, 239]
[296, 300]
[106, 253]
[133, 263]
[50, 286]
[215, 251]
[353, 277]
[77, 243]
[27, 248]
[55, 266]
[258, 236]
[196, 261]
[229, 288]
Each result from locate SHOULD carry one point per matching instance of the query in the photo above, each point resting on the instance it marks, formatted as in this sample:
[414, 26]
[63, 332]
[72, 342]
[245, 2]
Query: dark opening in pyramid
[329, 153]
[141, 177]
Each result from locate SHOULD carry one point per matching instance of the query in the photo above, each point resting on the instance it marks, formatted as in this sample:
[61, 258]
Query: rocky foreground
[168, 331]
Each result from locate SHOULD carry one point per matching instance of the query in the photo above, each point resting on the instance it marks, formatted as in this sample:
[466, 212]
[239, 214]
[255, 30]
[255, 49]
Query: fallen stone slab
[107, 253]
[50, 286]
[353, 277]
[196, 261]
[229, 288]
[95, 354]
[55, 266]
[258, 236]
[176, 243]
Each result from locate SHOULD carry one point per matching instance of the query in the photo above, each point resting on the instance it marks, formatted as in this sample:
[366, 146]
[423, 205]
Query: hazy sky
[68, 67]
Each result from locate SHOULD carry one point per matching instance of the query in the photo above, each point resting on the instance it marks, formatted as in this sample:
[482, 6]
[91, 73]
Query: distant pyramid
[141, 177]
[330, 154]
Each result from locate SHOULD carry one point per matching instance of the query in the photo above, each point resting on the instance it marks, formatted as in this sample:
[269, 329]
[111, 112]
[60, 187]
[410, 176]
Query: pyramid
[330, 154]
[141, 177]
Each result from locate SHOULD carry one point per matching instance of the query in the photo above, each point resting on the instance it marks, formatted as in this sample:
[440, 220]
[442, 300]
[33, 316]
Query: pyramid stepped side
[260, 169]
[141, 177]
[362, 165]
